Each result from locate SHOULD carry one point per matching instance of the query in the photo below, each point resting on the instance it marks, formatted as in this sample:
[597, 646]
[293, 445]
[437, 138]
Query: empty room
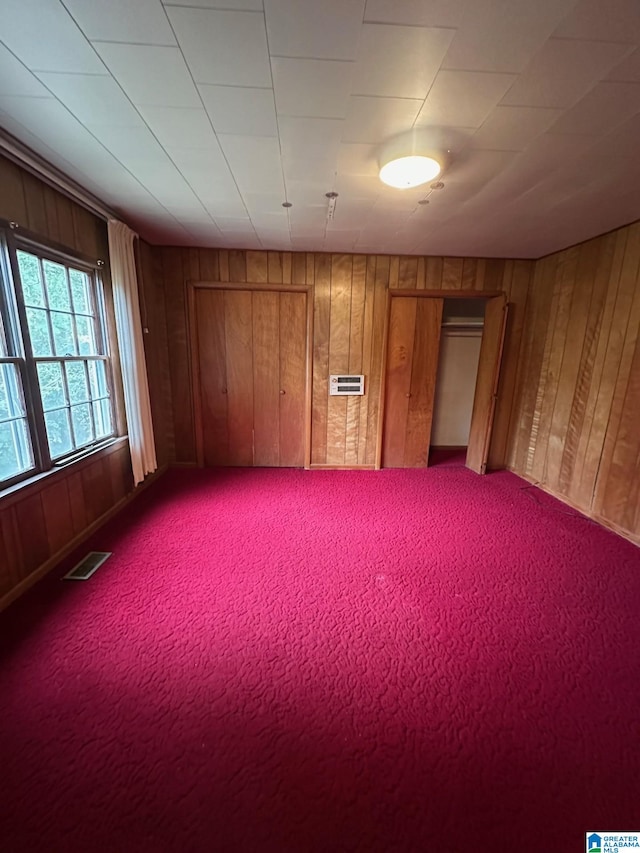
[319, 426]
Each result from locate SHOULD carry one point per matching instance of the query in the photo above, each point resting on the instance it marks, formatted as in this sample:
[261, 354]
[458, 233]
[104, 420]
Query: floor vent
[87, 566]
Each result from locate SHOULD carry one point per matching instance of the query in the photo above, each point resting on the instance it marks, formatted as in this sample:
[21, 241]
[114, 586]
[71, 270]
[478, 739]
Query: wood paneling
[41, 520]
[349, 312]
[577, 392]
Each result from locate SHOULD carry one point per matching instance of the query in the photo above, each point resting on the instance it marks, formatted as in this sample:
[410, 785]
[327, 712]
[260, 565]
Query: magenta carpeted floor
[327, 661]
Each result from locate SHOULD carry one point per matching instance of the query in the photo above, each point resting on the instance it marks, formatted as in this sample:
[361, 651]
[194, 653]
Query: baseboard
[318, 467]
[634, 538]
[26, 583]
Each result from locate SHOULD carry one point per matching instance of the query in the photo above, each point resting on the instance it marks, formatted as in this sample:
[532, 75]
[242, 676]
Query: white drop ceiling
[196, 119]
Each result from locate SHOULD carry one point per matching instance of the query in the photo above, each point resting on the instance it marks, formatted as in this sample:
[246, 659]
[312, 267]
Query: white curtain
[131, 348]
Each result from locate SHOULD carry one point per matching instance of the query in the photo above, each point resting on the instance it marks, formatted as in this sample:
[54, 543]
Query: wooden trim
[309, 378]
[383, 380]
[192, 334]
[318, 466]
[55, 250]
[253, 286]
[49, 564]
[446, 294]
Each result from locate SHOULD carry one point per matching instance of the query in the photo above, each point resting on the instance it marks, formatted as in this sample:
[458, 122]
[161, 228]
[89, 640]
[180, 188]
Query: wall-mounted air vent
[87, 566]
[341, 385]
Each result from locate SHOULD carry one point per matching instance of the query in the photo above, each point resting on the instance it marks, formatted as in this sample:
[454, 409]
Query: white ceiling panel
[263, 204]
[156, 76]
[16, 79]
[94, 100]
[416, 13]
[176, 127]
[201, 165]
[563, 72]
[306, 168]
[412, 57]
[513, 128]
[314, 30]
[315, 137]
[374, 120]
[255, 163]
[45, 37]
[242, 111]
[463, 98]
[615, 20]
[227, 223]
[139, 22]
[504, 36]
[605, 106]
[223, 46]
[241, 5]
[312, 87]
[357, 159]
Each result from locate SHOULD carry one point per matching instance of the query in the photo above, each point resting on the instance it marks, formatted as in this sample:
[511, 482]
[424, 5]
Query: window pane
[58, 432]
[56, 281]
[86, 336]
[102, 417]
[4, 345]
[98, 379]
[82, 426]
[51, 385]
[80, 291]
[15, 449]
[29, 267]
[63, 337]
[39, 331]
[11, 395]
[77, 382]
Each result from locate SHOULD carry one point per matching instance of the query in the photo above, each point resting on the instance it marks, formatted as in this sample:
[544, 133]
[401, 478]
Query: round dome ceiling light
[406, 172]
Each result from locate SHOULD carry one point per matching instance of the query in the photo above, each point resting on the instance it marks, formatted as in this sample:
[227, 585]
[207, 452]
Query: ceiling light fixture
[410, 171]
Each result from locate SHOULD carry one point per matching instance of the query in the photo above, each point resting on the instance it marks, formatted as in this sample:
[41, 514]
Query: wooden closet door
[250, 377]
[484, 401]
[413, 346]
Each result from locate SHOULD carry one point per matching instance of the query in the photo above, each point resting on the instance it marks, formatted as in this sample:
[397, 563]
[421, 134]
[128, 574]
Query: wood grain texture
[211, 360]
[266, 378]
[40, 520]
[577, 392]
[402, 330]
[293, 377]
[484, 401]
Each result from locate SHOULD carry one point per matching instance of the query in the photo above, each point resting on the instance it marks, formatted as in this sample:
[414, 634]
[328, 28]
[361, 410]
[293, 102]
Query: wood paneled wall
[577, 394]
[39, 522]
[350, 297]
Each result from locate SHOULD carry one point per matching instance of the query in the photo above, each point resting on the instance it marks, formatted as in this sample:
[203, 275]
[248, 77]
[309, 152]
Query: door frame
[194, 363]
[420, 294]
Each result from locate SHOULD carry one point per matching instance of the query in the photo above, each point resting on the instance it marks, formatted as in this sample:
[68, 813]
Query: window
[55, 377]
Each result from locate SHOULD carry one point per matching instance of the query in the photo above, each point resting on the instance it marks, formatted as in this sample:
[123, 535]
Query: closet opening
[459, 357]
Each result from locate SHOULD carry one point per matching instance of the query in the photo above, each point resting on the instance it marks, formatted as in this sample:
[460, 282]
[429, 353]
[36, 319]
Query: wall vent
[343, 384]
[87, 566]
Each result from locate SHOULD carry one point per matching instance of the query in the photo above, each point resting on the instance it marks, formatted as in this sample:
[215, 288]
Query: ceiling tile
[412, 57]
[17, 80]
[227, 223]
[312, 87]
[240, 111]
[315, 137]
[513, 128]
[307, 168]
[314, 30]
[463, 98]
[357, 159]
[628, 71]
[615, 20]
[94, 100]
[45, 37]
[223, 46]
[140, 22]
[200, 166]
[374, 120]
[180, 128]
[563, 71]
[254, 163]
[416, 13]
[605, 106]
[504, 36]
[246, 5]
[156, 76]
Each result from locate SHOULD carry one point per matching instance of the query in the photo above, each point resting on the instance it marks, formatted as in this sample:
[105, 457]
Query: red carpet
[327, 661]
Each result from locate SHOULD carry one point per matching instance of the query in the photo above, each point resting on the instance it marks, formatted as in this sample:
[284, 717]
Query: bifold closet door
[484, 401]
[251, 351]
[413, 346]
